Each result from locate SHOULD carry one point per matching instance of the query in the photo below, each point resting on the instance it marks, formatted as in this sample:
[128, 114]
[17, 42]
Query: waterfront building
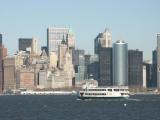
[75, 56]
[62, 49]
[26, 78]
[103, 40]
[120, 63]
[42, 78]
[80, 71]
[28, 44]
[53, 59]
[78, 60]
[144, 76]
[41, 63]
[55, 36]
[158, 60]
[91, 67]
[105, 67]
[9, 65]
[147, 74]
[154, 70]
[135, 68]
[3, 53]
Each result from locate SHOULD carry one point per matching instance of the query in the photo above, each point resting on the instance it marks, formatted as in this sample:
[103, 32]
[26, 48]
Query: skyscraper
[55, 36]
[158, 60]
[120, 63]
[28, 44]
[9, 73]
[75, 56]
[135, 68]
[154, 70]
[91, 67]
[105, 67]
[62, 49]
[0, 39]
[79, 65]
[148, 76]
[103, 40]
[3, 53]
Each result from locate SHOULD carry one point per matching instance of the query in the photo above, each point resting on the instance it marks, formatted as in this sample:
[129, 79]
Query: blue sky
[135, 21]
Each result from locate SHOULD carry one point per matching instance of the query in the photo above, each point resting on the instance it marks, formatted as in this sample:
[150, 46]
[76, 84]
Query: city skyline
[136, 22]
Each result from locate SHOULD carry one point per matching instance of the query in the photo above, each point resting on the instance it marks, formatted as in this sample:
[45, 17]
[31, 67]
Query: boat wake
[132, 99]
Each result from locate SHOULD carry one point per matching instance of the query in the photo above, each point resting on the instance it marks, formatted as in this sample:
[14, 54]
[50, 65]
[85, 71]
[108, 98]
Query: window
[109, 89]
[116, 89]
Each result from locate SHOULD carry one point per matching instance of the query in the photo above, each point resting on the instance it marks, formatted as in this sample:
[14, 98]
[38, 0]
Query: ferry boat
[94, 92]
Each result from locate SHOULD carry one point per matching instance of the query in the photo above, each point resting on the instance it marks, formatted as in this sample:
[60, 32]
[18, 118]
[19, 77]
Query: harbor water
[68, 107]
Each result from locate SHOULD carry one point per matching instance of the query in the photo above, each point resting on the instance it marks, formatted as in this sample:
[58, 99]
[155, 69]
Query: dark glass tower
[135, 68]
[105, 67]
[153, 82]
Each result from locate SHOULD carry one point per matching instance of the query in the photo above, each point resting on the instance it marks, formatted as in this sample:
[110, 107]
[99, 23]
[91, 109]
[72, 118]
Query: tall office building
[158, 60]
[3, 53]
[0, 39]
[9, 73]
[79, 65]
[80, 70]
[91, 67]
[120, 63]
[28, 44]
[148, 74]
[103, 40]
[55, 35]
[62, 49]
[75, 56]
[105, 67]
[135, 68]
[154, 69]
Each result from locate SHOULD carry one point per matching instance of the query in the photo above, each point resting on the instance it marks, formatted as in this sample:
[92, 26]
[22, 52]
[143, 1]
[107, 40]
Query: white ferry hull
[103, 97]
[83, 98]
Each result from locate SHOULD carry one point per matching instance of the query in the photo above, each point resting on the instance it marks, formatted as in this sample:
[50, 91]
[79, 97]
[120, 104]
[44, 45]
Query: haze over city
[136, 22]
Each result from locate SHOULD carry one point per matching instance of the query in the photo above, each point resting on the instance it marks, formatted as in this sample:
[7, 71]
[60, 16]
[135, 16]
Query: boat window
[116, 89]
[109, 89]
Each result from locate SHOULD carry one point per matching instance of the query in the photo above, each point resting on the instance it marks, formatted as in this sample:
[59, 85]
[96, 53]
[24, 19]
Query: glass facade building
[135, 68]
[105, 67]
[91, 65]
[120, 63]
[158, 60]
[55, 36]
[153, 82]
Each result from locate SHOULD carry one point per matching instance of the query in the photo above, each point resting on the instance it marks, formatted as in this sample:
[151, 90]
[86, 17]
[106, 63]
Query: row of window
[95, 93]
[96, 89]
[107, 90]
[124, 93]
